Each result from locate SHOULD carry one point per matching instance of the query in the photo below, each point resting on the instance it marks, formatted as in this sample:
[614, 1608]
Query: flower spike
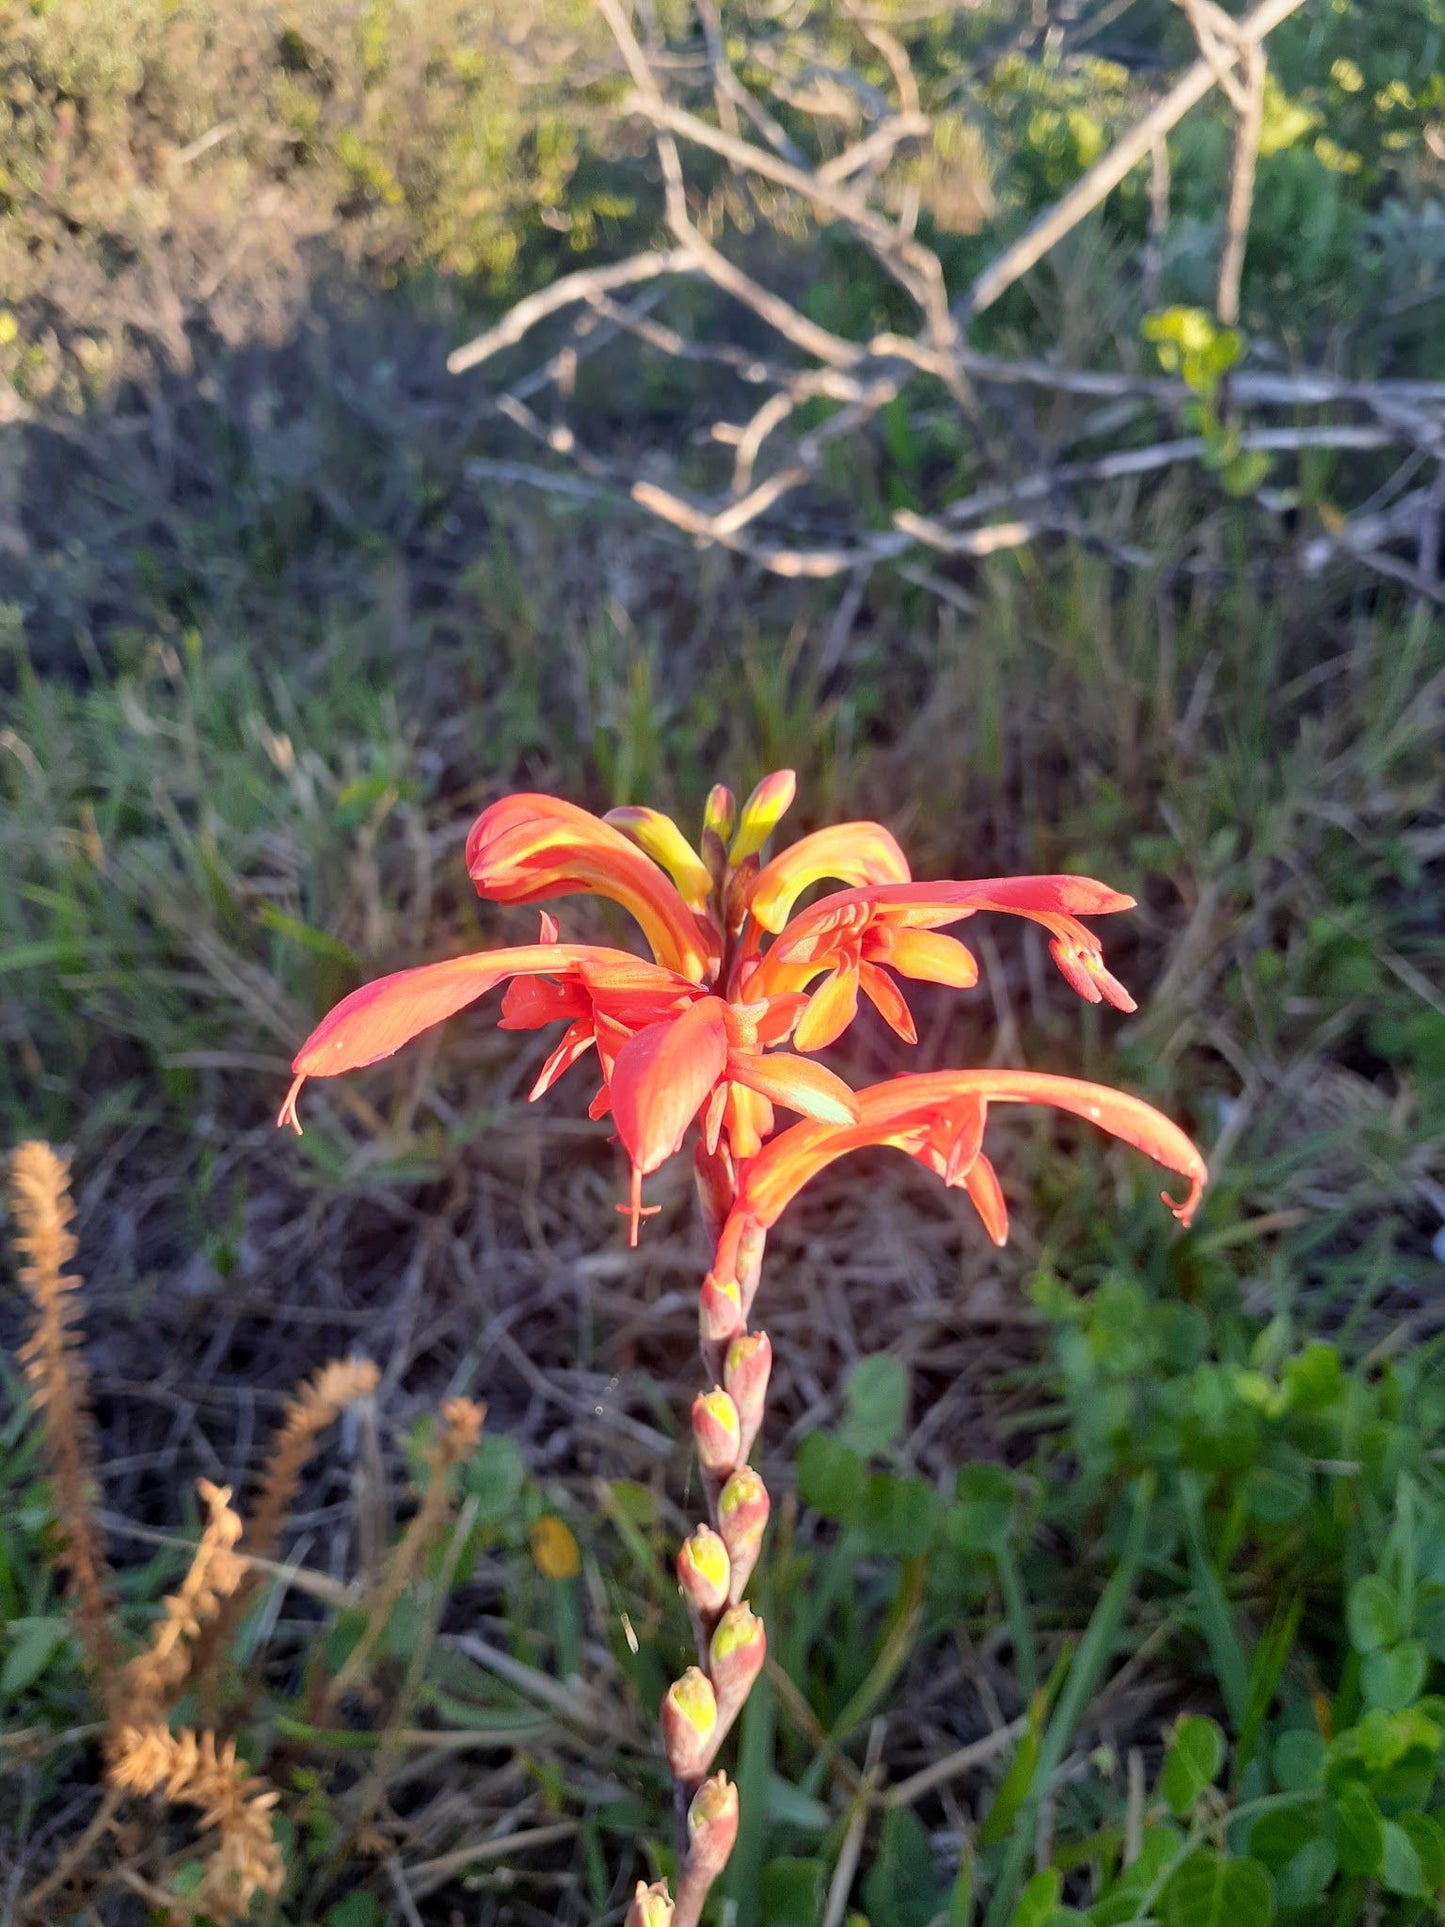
[718, 1031]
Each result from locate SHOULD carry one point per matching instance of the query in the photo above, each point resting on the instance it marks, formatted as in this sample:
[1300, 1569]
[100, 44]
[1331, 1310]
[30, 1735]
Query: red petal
[530, 1002]
[529, 847]
[578, 1040]
[661, 1077]
[888, 1000]
[783, 1012]
[797, 1084]
[984, 1189]
[380, 1017]
[896, 1111]
[831, 1008]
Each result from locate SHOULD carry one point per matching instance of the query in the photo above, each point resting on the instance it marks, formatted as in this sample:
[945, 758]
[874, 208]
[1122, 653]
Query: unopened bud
[715, 1428]
[704, 1571]
[739, 1254]
[735, 1658]
[651, 1906]
[745, 1374]
[742, 1518]
[720, 1310]
[716, 1186]
[762, 812]
[689, 1724]
[719, 813]
[712, 1827]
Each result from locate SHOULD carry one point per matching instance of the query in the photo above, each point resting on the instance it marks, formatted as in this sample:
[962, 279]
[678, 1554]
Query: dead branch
[1122, 158]
[768, 509]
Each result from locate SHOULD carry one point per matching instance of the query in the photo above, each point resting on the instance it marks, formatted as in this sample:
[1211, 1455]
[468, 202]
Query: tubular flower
[699, 1032]
[938, 1118]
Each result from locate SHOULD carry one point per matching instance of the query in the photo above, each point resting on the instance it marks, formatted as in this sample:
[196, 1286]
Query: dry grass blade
[40, 1199]
[456, 1439]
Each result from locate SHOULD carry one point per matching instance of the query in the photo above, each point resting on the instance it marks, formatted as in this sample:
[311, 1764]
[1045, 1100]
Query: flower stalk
[717, 1032]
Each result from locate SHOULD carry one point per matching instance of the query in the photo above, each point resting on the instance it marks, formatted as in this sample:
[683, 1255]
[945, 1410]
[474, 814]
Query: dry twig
[780, 509]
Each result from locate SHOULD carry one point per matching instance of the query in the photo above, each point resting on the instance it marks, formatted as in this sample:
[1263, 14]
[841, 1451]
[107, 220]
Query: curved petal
[831, 1008]
[665, 843]
[888, 1000]
[383, 1015]
[662, 1077]
[907, 1111]
[862, 853]
[747, 1119]
[1056, 902]
[986, 1194]
[528, 847]
[577, 1040]
[797, 1084]
[924, 955]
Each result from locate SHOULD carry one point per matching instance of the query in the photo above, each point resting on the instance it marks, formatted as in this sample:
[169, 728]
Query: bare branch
[582, 286]
[1126, 153]
[1249, 122]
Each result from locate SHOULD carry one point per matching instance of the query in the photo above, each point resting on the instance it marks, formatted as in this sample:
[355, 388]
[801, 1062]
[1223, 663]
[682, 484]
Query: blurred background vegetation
[1110, 1583]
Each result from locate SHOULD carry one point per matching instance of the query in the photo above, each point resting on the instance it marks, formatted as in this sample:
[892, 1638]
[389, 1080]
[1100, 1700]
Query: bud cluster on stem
[714, 1565]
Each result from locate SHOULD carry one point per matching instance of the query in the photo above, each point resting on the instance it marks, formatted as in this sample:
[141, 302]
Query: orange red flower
[702, 1032]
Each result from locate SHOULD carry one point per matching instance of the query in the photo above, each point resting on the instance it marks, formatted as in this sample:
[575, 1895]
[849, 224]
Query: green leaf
[900, 1890]
[898, 1516]
[1191, 1764]
[830, 1477]
[1276, 1494]
[877, 1400]
[981, 1517]
[1210, 1891]
[357, 1910]
[1372, 1614]
[1301, 1882]
[790, 1893]
[35, 1644]
[1430, 1619]
[1314, 1378]
[1400, 1870]
[1039, 1899]
[1393, 1676]
[1216, 1621]
[1289, 1842]
[1298, 1757]
[1359, 1832]
[789, 1806]
[494, 1477]
[1427, 1837]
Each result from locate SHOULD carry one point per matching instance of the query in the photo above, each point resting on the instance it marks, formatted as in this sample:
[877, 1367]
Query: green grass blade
[1215, 1620]
[1084, 1676]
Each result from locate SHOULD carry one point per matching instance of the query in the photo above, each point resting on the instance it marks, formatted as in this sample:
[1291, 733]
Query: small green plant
[1190, 344]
